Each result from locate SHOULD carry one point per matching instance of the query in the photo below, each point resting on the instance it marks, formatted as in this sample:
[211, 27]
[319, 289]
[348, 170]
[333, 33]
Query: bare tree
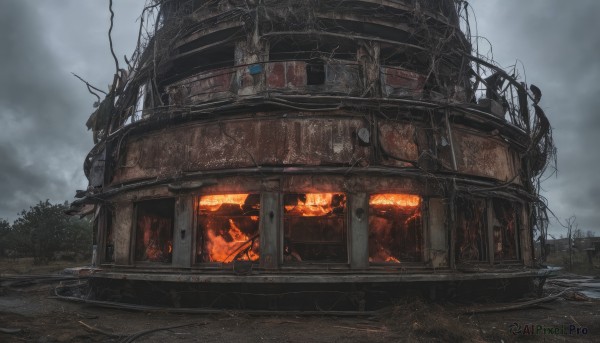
[572, 227]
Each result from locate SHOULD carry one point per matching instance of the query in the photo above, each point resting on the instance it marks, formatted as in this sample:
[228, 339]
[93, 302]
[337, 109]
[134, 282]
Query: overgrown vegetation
[577, 263]
[46, 233]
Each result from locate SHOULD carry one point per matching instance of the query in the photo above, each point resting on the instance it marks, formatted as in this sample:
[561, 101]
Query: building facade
[315, 141]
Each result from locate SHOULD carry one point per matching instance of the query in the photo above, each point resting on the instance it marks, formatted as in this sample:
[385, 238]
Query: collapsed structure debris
[315, 142]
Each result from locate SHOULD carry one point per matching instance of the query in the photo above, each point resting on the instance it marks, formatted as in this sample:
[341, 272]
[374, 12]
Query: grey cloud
[43, 108]
[558, 42]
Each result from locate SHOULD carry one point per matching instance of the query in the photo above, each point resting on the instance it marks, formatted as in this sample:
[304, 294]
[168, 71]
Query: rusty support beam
[183, 232]
[358, 206]
[271, 224]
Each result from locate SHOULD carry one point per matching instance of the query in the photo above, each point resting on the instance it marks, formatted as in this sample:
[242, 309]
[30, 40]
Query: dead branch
[100, 331]
[517, 306]
[145, 332]
[90, 87]
[112, 16]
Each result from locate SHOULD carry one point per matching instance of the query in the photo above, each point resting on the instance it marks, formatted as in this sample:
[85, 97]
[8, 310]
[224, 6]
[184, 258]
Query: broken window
[505, 230]
[194, 62]
[315, 73]
[310, 48]
[471, 238]
[395, 228]
[154, 230]
[315, 228]
[228, 228]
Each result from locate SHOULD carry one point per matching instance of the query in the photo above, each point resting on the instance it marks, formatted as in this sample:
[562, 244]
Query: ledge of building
[197, 276]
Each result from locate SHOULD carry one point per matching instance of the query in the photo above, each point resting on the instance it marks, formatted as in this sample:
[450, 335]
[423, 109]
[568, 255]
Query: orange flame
[400, 200]
[212, 203]
[316, 204]
[392, 259]
[222, 250]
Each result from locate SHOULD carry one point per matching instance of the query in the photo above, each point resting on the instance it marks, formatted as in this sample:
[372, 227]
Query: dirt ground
[39, 318]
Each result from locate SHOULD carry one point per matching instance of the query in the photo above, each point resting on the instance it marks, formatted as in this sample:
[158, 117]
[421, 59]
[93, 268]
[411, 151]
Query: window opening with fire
[505, 230]
[395, 228]
[315, 228]
[471, 224]
[228, 228]
[154, 230]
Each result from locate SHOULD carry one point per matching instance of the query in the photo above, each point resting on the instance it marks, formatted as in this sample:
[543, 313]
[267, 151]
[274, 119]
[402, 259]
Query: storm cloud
[43, 108]
[558, 43]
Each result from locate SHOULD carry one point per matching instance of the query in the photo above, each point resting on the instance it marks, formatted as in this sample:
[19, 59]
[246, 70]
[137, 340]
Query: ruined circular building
[314, 143]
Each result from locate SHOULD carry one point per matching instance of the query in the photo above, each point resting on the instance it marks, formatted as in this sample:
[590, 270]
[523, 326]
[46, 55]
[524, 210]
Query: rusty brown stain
[400, 82]
[397, 140]
[483, 156]
[235, 144]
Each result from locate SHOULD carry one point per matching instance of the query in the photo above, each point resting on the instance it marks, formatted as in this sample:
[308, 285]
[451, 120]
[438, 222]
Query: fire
[221, 249]
[316, 204]
[230, 227]
[400, 200]
[394, 228]
[212, 203]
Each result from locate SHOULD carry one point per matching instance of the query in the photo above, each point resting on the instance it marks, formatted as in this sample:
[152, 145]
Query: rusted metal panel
[270, 227]
[276, 75]
[438, 233]
[398, 82]
[288, 75]
[243, 143]
[295, 74]
[182, 237]
[203, 87]
[322, 141]
[482, 156]
[398, 143]
[123, 225]
[358, 205]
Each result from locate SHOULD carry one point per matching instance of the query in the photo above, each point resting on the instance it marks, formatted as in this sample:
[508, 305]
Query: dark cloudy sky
[43, 108]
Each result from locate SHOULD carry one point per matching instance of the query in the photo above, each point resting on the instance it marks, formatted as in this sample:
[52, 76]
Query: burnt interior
[315, 228]
[395, 228]
[471, 223]
[227, 228]
[505, 230]
[296, 97]
[154, 230]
